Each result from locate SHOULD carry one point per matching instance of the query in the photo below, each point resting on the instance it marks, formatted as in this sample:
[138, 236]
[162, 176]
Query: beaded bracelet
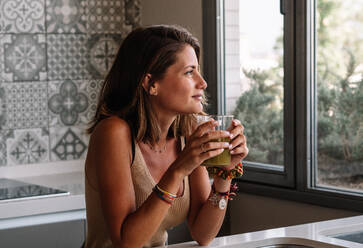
[165, 192]
[228, 194]
[164, 195]
[237, 171]
[220, 198]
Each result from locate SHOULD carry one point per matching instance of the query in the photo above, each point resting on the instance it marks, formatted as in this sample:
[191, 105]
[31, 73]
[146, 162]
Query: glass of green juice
[224, 122]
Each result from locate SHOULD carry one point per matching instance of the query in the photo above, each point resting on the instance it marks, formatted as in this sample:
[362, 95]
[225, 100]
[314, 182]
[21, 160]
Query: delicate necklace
[157, 150]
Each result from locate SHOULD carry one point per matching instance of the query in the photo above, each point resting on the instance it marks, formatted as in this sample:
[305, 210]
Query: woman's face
[181, 89]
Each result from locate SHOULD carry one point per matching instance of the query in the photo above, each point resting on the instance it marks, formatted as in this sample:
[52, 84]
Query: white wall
[253, 213]
[232, 69]
[187, 13]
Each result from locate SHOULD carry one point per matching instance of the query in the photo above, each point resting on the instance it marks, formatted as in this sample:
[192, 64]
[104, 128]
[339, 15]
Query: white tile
[232, 32]
[231, 4]
[231, 18]
[233, 90]
[232, 61]
[233, 77]
[232, 47]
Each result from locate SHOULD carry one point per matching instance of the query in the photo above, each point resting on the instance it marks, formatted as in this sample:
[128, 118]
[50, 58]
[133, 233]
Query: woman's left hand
[238, 143]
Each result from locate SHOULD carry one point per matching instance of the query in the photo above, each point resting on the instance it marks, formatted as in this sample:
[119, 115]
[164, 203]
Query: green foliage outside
[339, 90]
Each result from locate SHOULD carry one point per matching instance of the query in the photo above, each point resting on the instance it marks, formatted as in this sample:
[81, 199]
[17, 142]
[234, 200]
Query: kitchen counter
[70, 177]
[71, 180]
[311, 234]
[43, 220]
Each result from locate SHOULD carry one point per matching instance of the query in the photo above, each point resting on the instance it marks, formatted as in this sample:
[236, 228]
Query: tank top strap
[182, 142]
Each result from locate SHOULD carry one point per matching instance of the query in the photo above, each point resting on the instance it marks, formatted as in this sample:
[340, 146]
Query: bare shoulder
[112, 126]
[108, 166]
[111, 138]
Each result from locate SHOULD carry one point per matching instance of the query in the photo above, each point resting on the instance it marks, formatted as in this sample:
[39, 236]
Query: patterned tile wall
[53, 57]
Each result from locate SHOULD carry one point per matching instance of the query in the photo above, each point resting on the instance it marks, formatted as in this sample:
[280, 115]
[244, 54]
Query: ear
[148, 86]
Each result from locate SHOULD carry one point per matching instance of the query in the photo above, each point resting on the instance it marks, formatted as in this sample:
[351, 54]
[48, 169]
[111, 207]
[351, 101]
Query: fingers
[236, 128]
[210, 154]
[214, 136]
[240, 140]
[240, 152]
[204, 128]
[208, 142]
[208, 146]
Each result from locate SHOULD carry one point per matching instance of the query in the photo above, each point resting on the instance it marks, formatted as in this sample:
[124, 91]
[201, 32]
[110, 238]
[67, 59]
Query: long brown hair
[145, 50]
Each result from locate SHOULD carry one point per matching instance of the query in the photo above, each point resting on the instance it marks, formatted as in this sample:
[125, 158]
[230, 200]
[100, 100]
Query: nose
[202, 83]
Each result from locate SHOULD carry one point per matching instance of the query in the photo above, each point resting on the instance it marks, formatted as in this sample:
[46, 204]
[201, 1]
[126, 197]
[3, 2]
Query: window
[338, 106]
[292, 72]
[254, 75]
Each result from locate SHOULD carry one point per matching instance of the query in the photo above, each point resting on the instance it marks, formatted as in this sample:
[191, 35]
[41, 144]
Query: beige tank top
[97, 235]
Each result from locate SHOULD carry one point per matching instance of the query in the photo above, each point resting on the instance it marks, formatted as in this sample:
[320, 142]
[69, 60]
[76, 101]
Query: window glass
[339, 89]
[254, 75]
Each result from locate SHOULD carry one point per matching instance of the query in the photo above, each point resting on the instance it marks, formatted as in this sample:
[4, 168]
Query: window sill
[324, 198]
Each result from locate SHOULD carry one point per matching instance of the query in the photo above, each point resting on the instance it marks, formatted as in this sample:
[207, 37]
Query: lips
[198, 97]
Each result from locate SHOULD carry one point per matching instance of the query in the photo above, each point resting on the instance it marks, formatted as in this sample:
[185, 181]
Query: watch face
[222, 204]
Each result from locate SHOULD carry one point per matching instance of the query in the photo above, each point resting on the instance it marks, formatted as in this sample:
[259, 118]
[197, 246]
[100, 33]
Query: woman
[141, 178]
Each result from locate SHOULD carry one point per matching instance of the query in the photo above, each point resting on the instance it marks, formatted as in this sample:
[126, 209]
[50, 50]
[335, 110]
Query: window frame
[295, 182]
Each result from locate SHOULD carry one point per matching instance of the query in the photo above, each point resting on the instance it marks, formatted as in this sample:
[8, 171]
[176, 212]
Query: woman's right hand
[202, 144]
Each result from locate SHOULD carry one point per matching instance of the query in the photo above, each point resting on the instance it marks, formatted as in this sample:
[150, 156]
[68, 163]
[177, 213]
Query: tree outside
[339, 109]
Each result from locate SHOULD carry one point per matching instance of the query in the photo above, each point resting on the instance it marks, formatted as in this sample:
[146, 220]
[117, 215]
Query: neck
[165, 119]
[164, 124]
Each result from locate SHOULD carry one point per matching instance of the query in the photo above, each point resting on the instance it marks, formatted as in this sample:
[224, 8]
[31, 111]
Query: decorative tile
[2, 38]
[102, 50]
[22, 16]
[71, 44]
[73, 103]
[2, 23]
[93, 91]
[28, 146]
[66, 16]
[2, 108]
[132, 13]
[105, 16]
[68, 103]
[4, 135]
[26, 105]
[68, 143]
[24, 57]
[67, 56]
[113, 16]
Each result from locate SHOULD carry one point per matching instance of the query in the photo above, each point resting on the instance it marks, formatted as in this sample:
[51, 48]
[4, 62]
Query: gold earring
[153, 92]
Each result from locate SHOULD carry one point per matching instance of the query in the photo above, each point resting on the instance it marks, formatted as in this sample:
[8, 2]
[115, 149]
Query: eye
[189, 72]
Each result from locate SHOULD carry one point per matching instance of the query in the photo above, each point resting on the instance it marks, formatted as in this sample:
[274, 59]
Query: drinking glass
[224, 122]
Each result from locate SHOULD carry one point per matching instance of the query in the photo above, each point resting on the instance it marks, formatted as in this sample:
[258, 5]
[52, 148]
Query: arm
[110, 153]
[205, 219]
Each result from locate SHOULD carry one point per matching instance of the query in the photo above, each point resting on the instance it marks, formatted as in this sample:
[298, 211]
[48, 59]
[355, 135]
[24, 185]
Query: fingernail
[221, 150]
[230, 146]
[231, 136]
[231, 152]
[226, 144]
[228, 133]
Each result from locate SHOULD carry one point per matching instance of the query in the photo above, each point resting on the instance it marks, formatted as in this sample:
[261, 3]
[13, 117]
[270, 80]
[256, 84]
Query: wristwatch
[218, 200]
[222, 203]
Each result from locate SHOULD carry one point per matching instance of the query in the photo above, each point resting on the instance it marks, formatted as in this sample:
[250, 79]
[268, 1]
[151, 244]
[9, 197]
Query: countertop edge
[52, 204]
[69, 178]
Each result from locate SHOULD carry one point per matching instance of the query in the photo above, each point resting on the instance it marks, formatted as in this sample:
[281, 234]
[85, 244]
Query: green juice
[223, 159]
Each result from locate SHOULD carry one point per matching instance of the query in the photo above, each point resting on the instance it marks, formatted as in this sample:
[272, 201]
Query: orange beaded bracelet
[237, 171]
